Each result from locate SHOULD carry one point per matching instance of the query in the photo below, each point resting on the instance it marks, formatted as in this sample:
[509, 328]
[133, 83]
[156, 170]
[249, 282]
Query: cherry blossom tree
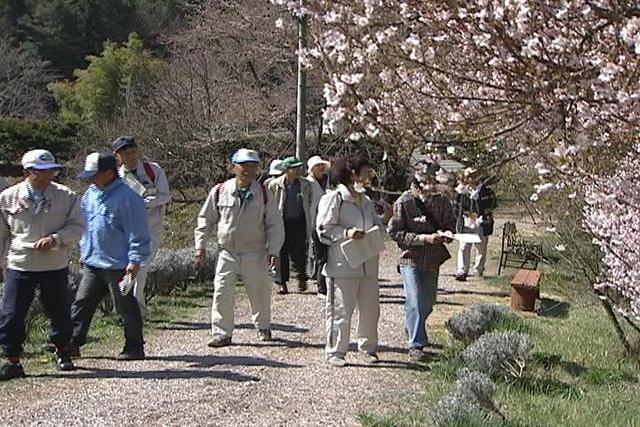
[612, 214]
[555, 82]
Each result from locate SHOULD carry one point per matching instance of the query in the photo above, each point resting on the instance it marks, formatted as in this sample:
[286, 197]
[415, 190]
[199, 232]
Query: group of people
[118, 223]
[258, 227]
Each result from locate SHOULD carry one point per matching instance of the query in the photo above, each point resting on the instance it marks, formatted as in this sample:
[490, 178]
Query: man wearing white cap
[293, 196]
[320, 183]
[150, 182]
[39, 221]
[112, 249]
[275, 170]
[244, 217]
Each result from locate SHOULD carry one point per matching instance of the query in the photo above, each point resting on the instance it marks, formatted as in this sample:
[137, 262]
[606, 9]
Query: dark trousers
[19, 290]
[294, 247]
[320, 254]
[96, 284]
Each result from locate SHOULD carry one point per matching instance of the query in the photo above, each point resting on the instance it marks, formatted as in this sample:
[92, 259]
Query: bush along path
[281, 383]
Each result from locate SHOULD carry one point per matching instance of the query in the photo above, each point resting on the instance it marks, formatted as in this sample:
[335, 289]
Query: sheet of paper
[127, 284]
[467, 238]
[448, 234]
[32, 245]
[358, 251]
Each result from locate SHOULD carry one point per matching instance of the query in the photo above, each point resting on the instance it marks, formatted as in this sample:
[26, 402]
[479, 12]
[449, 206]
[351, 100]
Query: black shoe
[282, 289]
[73, 351]
[64, 362]
[302, 285]
[11, 370]
[462, 277]
[131, 355]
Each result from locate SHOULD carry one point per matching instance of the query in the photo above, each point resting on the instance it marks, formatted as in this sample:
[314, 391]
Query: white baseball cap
[275, 168]
[40, 160]
[244, 155]
[317, 160]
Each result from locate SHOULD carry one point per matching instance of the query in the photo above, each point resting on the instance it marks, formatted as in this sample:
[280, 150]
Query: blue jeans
[420, 287]
[19, 290]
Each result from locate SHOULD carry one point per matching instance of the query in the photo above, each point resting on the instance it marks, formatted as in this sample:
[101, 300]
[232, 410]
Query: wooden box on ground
[525, 290]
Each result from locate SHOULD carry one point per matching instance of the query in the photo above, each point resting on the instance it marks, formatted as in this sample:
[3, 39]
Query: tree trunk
[616, 324]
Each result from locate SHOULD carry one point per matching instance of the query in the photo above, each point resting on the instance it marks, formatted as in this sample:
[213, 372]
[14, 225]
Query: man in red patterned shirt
[420, 217]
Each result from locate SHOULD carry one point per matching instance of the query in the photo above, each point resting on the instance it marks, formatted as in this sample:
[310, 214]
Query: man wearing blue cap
[244, 217]
[114, 245]
[150, 182]
[39, 221]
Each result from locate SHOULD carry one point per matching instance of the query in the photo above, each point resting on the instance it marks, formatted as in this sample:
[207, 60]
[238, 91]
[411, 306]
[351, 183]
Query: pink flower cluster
[612, 214]
[557, 78]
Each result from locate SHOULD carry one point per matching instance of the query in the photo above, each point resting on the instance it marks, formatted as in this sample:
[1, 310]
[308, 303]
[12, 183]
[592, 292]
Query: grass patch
[580, 374]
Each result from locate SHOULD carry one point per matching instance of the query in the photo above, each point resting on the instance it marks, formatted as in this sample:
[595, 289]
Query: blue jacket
[116, 227]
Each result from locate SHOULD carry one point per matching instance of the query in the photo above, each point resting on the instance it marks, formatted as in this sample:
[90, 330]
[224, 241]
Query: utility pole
[301, 144]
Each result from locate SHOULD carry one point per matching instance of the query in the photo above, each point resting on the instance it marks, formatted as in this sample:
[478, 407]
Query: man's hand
[272, 260]
[387, 211]
[132, 269]
[45, 244]
[432, 238]
[201, 256]
[354, 233]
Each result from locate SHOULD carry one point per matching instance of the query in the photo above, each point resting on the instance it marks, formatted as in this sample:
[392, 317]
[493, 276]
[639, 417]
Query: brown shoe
[282, 289]
[219, 341]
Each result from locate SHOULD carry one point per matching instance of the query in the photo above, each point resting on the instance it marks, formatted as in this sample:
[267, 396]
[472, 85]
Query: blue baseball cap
[244, 155]
[122, 142]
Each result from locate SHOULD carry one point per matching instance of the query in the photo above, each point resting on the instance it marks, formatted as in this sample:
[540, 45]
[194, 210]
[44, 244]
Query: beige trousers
[252, 268]
[343, 296]
[157, 235]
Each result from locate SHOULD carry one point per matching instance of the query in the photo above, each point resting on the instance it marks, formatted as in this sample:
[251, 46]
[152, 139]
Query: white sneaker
[337, 361]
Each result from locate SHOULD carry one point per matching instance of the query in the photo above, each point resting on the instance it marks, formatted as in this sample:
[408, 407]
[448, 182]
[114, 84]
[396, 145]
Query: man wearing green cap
[294, 196]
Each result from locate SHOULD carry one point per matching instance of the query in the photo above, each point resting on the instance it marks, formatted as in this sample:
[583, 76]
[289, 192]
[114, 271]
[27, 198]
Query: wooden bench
[525, 290]
[518, 252]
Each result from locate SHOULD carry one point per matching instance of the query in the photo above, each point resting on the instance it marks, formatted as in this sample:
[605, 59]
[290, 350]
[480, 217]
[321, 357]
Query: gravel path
[284, 383]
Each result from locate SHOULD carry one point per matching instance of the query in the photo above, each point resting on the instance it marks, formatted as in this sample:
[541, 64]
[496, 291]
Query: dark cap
[123, 142]
[98, 162]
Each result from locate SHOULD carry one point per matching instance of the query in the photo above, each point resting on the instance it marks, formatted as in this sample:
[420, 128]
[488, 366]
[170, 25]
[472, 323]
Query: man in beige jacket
[244, 216]
[294, 197]
[40, 221]
[149, 181]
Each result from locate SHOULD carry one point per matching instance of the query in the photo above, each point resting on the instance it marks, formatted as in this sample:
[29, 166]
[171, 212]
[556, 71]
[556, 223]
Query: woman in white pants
[347, 213]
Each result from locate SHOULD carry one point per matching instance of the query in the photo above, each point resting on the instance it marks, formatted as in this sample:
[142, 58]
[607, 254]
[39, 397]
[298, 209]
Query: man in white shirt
[40, 221]
[320, 184]
[150, 182]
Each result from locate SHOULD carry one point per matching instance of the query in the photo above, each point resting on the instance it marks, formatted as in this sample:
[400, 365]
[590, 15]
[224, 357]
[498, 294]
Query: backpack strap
[264, 194]
[148, 169]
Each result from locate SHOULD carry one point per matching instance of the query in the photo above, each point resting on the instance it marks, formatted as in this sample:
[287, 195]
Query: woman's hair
[343, 167]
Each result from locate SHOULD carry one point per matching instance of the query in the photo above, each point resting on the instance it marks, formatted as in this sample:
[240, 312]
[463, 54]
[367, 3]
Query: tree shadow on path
[206, 361]
[276, 327]
[166, 374]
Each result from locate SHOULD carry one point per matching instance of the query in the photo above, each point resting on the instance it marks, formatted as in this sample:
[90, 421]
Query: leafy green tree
[18, 136]
[64, 32]
[110, 85]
